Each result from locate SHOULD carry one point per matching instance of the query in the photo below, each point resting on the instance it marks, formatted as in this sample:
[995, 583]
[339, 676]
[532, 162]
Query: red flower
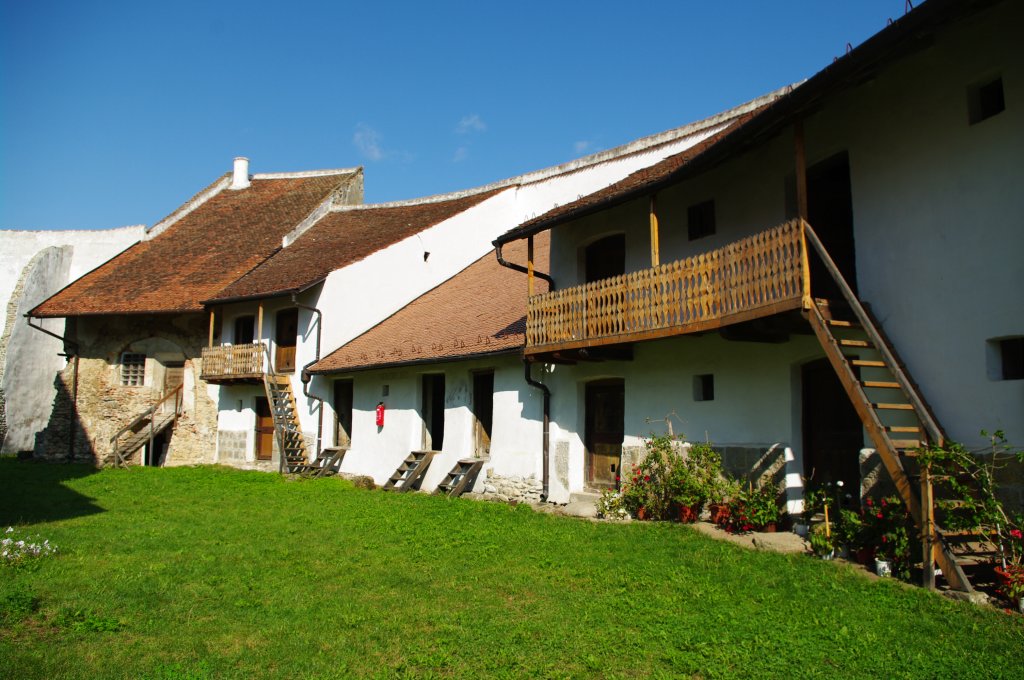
[879, 515]
[868, 502]
[1016, 533]
[884, 503]
[647, 478]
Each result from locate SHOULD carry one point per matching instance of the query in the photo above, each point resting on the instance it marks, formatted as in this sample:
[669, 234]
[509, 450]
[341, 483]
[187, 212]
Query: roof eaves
[416, 362]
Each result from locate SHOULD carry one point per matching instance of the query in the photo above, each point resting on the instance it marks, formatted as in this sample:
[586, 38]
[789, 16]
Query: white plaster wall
[515, 435]
[757, 396]
[937, 212]
[43, 262]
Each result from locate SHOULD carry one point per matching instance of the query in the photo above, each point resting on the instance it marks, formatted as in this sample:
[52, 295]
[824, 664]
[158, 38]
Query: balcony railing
[754, 277]
[233, 362]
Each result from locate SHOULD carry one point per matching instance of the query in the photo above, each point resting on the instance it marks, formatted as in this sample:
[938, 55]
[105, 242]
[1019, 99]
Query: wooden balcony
[234, 363]
[758, 276]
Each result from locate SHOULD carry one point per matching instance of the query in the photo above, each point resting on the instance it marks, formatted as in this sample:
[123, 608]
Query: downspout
[545, 446]
[306, 377]
[545, 443]
[520, 268]
[73, 345]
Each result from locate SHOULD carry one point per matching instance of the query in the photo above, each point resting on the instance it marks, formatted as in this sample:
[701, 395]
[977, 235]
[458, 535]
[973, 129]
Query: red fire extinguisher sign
[380, 414]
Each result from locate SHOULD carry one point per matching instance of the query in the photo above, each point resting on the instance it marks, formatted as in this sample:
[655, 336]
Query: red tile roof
[221, 239]
[479, 311]
[339, 239]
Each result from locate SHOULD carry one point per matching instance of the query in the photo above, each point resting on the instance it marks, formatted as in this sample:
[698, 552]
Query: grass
[212, 573]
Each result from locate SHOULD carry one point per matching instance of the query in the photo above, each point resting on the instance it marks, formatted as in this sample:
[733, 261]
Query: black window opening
[985, 100]
[605, 258]
[1006, 358]
[433, 412]
[245, 330]
[700, 220]
[704, 387]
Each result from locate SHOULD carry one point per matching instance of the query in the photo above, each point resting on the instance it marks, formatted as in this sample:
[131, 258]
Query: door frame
[590, 389]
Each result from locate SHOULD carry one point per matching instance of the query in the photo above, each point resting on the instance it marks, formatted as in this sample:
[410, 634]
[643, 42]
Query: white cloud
[582, 146]
[461, 154]
[367, 140]
[470, 123]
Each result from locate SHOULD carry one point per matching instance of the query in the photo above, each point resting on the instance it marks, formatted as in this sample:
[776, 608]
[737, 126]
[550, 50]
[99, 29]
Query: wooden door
[833, 433]
[343, 413]
[483, 410]
[604, 431]
[286, 331]
[264, 430]
[433, 412]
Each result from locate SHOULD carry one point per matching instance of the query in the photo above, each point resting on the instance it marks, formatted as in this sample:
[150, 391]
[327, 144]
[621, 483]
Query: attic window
[700, 220]
[704, 387]
[133, 369]
[1006, 358]
[985, 100]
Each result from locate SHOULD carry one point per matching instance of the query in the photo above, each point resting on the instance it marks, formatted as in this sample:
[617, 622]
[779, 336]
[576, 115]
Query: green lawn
[210, 572]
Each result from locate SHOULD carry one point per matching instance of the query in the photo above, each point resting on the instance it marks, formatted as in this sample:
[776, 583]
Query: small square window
[133, 369]
[704, 387]
[700, 220]
[985, 100]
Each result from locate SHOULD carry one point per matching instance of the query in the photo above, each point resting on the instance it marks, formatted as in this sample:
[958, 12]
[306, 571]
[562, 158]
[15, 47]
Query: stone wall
[103, 406]
[512, 488]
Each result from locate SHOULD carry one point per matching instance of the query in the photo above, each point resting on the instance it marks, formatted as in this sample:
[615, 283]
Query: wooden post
[927, 525]
[529, 267]
[805, 267]
[655, 252]
[801, 169]
[259, 324]
[211, 328]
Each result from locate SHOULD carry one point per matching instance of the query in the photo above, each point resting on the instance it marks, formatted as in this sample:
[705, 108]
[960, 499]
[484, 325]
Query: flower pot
[883, 568]
[769, 528]
[719, 513]
[641, 513]
[689, 514]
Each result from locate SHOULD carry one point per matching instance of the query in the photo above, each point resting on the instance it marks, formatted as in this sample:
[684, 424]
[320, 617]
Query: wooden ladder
[888, 403]
[146, 426]
[463, 475]
[410, 472]
[292, 445]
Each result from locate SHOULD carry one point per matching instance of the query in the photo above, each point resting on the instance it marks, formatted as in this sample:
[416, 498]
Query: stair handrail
[176, 392]
[931, 427]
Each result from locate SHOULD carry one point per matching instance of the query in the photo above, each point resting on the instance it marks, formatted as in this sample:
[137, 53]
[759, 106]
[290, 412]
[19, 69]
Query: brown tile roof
[204, 250]
[481, 310]
[339, 239]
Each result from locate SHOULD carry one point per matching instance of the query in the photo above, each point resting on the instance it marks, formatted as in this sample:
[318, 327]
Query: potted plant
[822, 541]
[762, 508]
[1011, 579]
[887, 528]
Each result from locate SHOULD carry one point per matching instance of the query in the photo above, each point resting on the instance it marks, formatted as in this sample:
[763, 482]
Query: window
[133, 369]
[1006, 358]
[700, 220]
[985, 100]
[704, 387]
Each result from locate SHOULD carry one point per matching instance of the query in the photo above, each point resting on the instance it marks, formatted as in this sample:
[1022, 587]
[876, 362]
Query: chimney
[240, 178]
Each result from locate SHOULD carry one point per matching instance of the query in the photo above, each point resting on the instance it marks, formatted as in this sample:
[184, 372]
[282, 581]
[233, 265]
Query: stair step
[868, 363]
[902, 428]
[906, 443]
[893, 407]
[846, 342]
[841, 323]
[881, 384]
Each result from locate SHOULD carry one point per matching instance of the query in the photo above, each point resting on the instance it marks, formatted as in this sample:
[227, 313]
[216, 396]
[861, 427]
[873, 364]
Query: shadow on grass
[32, 491]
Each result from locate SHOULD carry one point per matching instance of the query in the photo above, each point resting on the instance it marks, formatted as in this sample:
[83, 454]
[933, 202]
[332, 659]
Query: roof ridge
[300, 174]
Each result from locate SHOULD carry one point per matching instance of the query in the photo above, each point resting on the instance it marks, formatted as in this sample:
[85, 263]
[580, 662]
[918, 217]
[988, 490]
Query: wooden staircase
[410, 473]
[163, 414]
[888, 403]
[463, 475]
[290, 442]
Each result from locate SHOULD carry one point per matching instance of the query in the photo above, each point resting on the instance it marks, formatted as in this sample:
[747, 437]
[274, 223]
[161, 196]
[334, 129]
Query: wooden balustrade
[233, 362]
[757, 276]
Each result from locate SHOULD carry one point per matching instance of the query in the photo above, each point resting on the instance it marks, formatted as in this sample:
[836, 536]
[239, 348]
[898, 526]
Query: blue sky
[115, 113]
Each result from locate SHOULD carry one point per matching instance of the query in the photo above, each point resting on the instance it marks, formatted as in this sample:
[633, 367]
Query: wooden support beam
[211, 328]
[529, 266]
[259, 324]
[801, 169]
[927, 529]
[655, 251]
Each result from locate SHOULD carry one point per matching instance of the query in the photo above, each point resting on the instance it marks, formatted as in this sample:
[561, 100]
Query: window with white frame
[133, 369]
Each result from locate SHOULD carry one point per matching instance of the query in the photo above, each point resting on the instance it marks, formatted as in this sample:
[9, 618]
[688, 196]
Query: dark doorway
[603, 431]
[483, 411]
[832, 431]
[343, 413]
[156, 453]
[605, 258]
[433, 412]
[264, 430]
[830, 213]
[245, 330]
[286, 331]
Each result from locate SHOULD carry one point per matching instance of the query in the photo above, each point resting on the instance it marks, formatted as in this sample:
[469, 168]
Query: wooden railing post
[927, 525]
[805, 266]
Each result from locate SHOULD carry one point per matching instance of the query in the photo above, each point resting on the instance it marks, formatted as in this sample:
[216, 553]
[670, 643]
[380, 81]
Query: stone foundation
[512, 488]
